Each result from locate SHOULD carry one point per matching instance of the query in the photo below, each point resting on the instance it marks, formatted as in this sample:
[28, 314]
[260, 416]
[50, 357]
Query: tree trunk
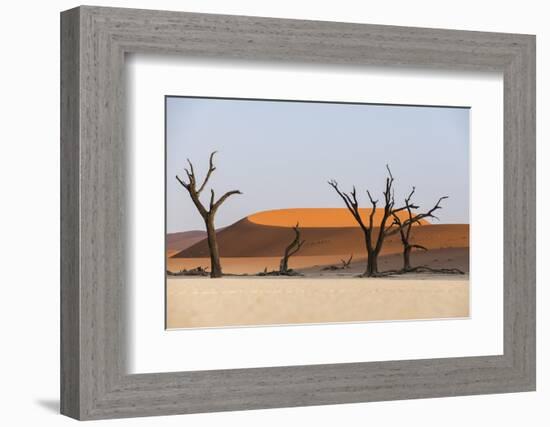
[407, 257]
[283, 266]
[372, 257]
[290, 250]
[215, 266]
[372, 264]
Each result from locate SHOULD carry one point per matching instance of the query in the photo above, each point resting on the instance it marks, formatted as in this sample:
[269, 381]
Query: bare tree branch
[373, 210]
[212, 196]
[424, 248]
[186, 186]
[224, 198]
[429, 214]
[346, 264]
[211, 168]
[389, 172]
[297, 248]
[351, 202]
[192, 173]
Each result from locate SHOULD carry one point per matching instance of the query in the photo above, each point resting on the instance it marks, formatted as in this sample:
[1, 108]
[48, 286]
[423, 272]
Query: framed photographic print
[262, 213]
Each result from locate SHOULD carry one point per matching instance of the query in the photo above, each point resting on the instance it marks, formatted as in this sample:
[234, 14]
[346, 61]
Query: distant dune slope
[176, 242]
[315, 217]
[248, 239]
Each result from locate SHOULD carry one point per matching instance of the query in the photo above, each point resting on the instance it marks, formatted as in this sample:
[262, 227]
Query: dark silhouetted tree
[291, 249]
[207, 213]
[405, 227]
[374, 233]
[346, 263]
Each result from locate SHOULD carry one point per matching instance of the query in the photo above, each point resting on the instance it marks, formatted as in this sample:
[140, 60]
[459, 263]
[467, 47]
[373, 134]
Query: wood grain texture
[94, 233]
[70, 291]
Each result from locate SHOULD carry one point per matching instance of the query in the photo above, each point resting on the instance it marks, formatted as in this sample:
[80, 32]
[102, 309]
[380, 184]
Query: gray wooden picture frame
[94, 381]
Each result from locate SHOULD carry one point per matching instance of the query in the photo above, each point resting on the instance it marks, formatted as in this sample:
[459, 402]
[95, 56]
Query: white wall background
[29, 213]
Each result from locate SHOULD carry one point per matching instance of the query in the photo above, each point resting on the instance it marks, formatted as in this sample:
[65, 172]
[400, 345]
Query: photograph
[286, 212]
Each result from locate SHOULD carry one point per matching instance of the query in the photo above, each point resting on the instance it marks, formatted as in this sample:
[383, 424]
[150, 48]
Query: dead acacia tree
[207, 213]
[345, 265]
[405, 227]
[290, 250]
[373, 241]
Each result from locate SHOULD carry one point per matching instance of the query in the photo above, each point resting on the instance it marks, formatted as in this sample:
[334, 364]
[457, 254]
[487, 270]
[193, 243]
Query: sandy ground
[240, 301]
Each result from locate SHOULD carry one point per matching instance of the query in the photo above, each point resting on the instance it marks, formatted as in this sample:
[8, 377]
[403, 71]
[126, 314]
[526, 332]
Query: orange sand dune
[316, 217]
[247, 239]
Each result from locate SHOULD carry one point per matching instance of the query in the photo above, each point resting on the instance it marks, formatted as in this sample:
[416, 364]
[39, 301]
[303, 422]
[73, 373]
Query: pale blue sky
[280, 155]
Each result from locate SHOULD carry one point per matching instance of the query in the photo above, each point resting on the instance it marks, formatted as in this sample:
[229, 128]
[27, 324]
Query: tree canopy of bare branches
[373, 240]
[207, 212]
[405, 228]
